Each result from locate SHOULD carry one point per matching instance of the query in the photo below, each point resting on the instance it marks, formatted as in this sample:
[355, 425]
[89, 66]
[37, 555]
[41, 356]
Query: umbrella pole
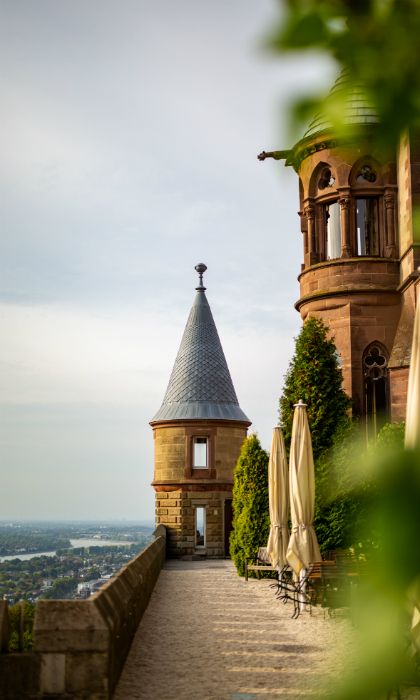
[302, 589]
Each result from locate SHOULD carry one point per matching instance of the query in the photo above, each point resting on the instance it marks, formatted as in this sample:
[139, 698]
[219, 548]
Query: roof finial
[201, 268]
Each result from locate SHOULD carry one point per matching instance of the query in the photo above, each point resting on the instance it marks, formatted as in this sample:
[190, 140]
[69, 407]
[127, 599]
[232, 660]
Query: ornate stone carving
[367, 173]
[389, 200]
[345, 203]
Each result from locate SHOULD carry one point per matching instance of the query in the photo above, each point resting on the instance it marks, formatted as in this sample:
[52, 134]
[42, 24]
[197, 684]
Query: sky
[129, 138]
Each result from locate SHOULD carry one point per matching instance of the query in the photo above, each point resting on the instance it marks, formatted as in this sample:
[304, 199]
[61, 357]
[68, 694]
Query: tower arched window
[332, 230]
[367, 226]
[368, 232]
[328, 217]
[375, 371]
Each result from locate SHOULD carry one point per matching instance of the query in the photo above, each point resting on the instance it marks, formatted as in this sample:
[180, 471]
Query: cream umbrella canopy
[278, 494]
[303, 545]
[412, 439]
[412, 422]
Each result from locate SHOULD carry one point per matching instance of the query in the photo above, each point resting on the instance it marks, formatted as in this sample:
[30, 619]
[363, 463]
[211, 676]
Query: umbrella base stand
[302, 601]
[295, 588]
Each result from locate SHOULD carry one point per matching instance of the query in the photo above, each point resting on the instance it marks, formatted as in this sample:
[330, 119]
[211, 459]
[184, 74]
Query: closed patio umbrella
[303, 545]
[278, 494]
[412, 440]
[412, 422]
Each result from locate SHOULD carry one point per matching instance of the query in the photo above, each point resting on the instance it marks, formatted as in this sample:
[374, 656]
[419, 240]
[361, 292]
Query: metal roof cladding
[357, 108]
[200, 386]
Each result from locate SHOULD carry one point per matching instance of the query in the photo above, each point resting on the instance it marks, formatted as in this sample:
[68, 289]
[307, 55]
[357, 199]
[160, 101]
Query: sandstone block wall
[228, 445]
[356, 321]
[176, 509]
[399, 383]
[173, 454]
[170, 452]
[405, 222]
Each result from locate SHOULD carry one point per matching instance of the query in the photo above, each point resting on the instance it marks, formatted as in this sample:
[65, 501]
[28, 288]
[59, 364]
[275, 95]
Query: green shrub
[345, 495]
[391, 436]
[251, 521]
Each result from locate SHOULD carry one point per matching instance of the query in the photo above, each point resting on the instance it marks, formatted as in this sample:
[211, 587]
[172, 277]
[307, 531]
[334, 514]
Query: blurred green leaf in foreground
[385, 601]
[376, 42]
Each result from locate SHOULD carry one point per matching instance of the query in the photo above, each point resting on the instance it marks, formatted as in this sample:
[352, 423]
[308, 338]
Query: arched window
[332, 230]
[327, 213]
[375, 371]
[367, 226]
[368, 220]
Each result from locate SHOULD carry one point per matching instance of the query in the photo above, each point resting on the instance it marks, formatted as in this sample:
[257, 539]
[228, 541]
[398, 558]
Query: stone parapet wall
[80, 646]
[347, 276]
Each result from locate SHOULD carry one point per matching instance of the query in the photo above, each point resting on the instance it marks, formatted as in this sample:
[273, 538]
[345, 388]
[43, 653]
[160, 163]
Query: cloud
[60, 354]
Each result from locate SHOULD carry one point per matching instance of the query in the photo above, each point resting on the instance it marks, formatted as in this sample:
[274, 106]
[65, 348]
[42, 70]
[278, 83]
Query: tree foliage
[315, 377]
[343, 494]
[251, 524]
[362, 36]
[346, 490]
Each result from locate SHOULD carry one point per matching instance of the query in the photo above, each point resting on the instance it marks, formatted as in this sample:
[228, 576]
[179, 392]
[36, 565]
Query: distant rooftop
[200, 386]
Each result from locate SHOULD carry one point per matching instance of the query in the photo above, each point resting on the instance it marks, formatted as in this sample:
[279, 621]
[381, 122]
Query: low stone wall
[80, 646]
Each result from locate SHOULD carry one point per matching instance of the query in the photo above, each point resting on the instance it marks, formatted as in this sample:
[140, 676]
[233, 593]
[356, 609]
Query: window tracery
[366, 174]
[375, 371]
[326, 179]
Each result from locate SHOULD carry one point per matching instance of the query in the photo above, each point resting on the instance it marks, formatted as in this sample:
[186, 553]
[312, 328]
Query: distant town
[64, 560]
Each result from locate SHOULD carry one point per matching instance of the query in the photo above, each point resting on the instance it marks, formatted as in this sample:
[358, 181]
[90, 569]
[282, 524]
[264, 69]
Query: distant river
[74, 543]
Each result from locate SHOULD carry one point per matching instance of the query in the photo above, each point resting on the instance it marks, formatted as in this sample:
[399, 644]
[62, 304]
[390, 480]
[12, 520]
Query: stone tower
[198, 433]
[360, 259]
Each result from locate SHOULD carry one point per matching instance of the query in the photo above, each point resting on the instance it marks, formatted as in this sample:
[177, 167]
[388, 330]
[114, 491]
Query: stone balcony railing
[80, 646]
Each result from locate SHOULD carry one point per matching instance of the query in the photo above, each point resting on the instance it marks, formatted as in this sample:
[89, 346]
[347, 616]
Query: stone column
[390, 247]
[346, 248]
[311, 255]
[304, 231]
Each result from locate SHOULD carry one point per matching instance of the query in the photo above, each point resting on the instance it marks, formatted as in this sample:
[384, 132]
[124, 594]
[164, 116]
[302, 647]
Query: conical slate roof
[200, 386]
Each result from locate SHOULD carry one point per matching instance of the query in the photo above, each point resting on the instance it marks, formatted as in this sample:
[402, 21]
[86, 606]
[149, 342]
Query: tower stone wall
[354, 289]
[180, 488]
[177, 511]
[361, 250]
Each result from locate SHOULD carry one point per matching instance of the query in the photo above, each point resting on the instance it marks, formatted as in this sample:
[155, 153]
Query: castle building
[360, 259]
[198, 433]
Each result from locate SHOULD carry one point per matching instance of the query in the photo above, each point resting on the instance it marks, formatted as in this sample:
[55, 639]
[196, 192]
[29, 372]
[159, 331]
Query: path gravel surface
[209, 635]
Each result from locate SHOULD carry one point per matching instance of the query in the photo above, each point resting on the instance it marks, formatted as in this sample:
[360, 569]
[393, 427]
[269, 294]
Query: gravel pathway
[209, 635]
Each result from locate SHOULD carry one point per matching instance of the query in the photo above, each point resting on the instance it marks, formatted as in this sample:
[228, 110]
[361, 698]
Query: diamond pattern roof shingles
[200, 385]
